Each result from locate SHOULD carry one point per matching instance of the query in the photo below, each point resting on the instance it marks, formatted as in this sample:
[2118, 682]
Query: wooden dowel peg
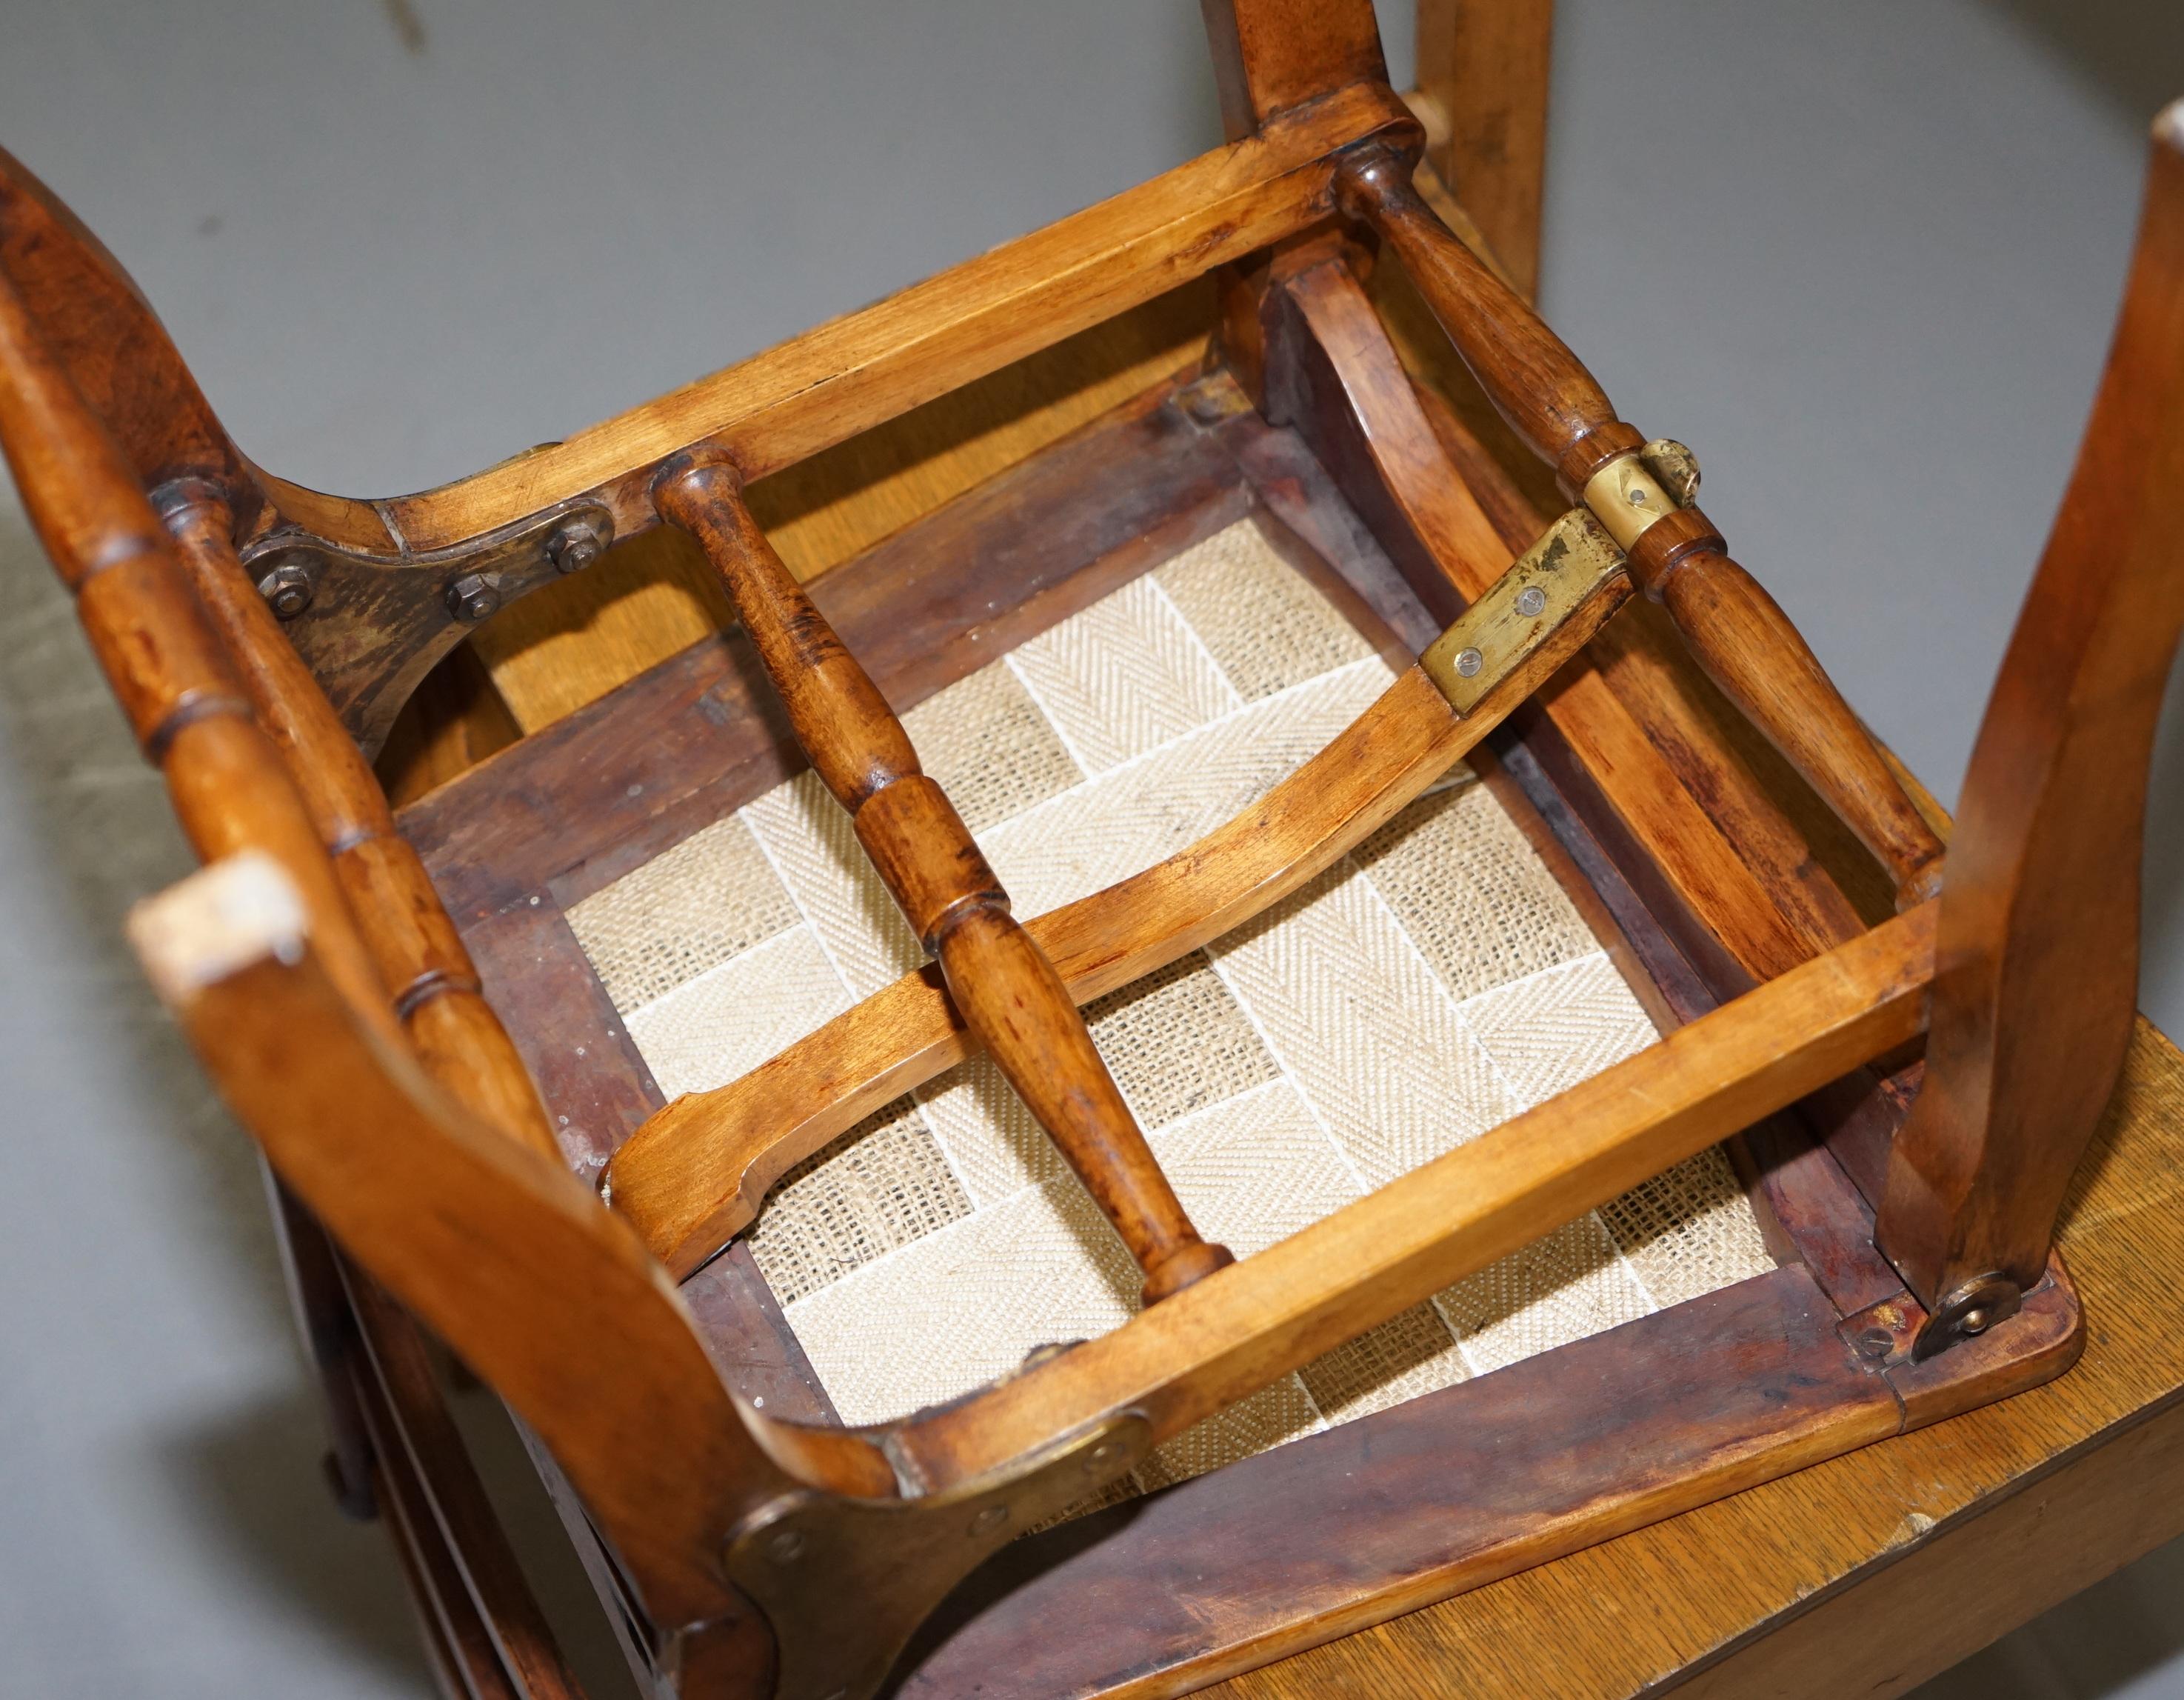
[1006, 990]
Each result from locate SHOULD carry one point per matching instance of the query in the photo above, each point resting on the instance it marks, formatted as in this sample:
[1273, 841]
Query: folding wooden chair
[262, 638]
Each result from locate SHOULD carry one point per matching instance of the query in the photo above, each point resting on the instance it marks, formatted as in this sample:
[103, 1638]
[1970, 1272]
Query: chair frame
[331, 963]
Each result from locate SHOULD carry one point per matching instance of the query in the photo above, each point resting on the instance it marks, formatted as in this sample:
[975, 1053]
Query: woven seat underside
[1427, 987]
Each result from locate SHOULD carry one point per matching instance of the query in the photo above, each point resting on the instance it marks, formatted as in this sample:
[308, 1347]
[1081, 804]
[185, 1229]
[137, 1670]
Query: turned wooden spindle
[1008, 993]
[1734, 630]
[191, 718]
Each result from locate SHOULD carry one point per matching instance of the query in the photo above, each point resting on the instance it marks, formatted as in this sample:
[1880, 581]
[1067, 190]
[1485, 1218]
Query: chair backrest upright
[352, 1034]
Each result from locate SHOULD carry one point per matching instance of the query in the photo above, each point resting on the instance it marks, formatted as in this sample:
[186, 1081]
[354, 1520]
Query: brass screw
[1101, 1457]
[473, 596]
[286, 590]
[1876, 1342]
[1975, 1320]
[1531, 600]
[992, 1517]
[1469, 663]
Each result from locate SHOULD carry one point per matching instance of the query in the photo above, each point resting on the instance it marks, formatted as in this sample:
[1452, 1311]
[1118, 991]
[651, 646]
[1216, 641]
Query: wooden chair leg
[1482, 64]
[1271, 55]
[1001, 982]
[2040, 916]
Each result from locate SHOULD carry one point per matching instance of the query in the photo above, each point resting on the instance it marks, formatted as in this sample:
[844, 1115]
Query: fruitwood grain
[162, 661]
[515, 1266]
[1736, 631]
[845, 377]
[696, 737]
[1350, 1271]
[1272, 56]
[653, 597]
[1001, 982]
[694, 1174]
[2041, 931]
[1867, 1574]
[428, 976]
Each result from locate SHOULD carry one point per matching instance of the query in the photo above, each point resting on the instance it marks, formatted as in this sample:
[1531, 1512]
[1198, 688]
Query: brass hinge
[1634, 493]
[1551, 581]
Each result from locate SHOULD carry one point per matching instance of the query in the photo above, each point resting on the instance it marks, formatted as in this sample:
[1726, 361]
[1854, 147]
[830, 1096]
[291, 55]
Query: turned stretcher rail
[1371, 1260]
[1734, 628]
[694, 1175]
[427, 973]
[1000, 980]
[164, 664]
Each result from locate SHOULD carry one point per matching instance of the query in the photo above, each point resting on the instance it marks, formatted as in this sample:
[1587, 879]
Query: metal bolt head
[1974, 1321]
[987, 1521]
[286, 589]
[575, 547]
[473, 596]
[1469, 663]
[784, 1545]
[1101, 1456]
[1531, 600]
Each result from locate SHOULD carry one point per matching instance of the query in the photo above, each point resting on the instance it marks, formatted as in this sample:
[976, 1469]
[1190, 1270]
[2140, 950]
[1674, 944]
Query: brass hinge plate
[1551, 581]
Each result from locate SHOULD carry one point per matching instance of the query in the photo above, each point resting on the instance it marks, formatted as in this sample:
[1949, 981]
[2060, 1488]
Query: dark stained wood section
[1381, 1516]
[595, 1085]
[695, 738]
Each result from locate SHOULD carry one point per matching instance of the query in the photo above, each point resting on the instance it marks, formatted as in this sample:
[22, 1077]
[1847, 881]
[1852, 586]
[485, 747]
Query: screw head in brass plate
[1522, 610]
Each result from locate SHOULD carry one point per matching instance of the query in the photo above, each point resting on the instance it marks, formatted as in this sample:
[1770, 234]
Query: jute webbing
[1430, 986]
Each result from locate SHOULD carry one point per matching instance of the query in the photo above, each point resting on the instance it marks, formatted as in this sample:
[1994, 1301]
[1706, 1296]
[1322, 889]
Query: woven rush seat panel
[1428, 986]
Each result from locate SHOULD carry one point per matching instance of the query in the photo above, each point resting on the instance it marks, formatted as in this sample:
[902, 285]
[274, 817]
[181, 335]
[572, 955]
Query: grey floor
[1863, 253]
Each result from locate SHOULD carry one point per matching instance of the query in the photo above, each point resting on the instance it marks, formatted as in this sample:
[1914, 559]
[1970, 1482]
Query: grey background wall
[1863, 254]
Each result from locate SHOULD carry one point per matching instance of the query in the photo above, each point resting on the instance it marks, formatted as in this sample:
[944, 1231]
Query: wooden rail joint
[846, 1582]
[1736, 632]
[370, 626]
